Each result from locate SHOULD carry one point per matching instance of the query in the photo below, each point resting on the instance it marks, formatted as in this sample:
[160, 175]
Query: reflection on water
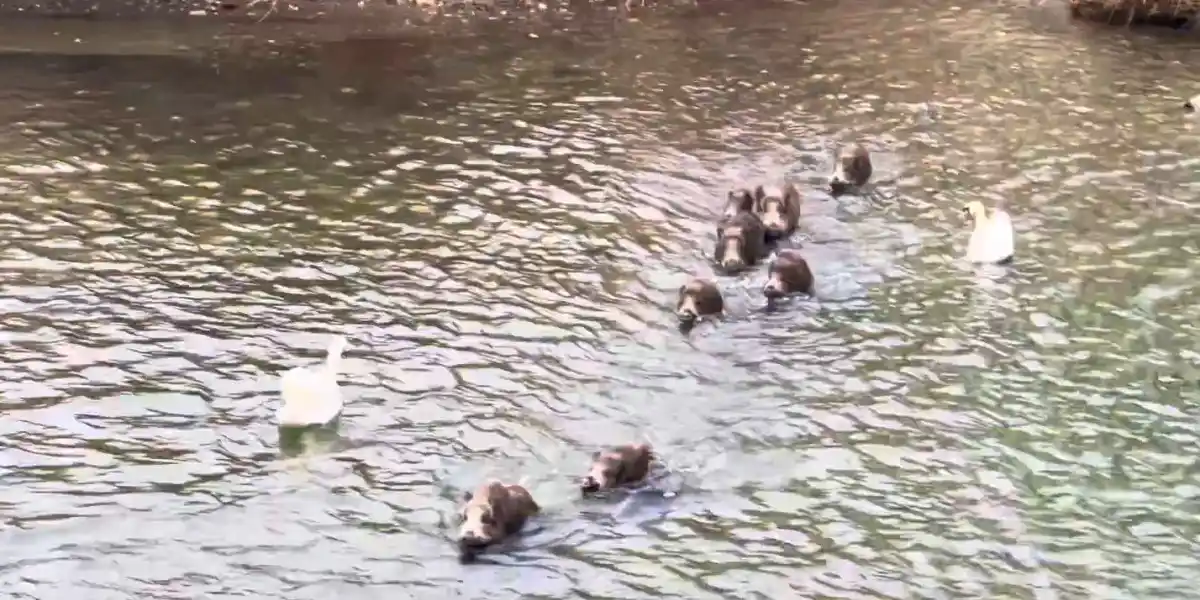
[499, 223]
[299, 441]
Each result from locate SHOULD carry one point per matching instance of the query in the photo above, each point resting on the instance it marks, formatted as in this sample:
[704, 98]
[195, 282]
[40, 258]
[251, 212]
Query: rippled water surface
[498, 216]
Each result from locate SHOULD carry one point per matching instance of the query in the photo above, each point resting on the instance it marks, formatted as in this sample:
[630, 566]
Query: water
[498, 223]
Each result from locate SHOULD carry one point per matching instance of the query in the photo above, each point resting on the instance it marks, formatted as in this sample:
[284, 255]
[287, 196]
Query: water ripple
[499, 224]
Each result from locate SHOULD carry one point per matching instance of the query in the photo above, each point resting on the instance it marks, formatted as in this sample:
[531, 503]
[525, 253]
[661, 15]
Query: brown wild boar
[737, 202]
[741, 242]
[698, 298]
[620, 466]
[851, 169]
[779, 211]
[788, 274]
[492, 513]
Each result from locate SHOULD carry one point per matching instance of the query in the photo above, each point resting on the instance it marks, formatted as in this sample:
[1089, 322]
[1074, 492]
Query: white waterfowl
[992, 239]
[310, 395]
[1193, 104]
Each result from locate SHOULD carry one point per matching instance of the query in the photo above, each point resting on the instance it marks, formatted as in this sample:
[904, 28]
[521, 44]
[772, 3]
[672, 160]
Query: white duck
[310, 395]
[992, 238]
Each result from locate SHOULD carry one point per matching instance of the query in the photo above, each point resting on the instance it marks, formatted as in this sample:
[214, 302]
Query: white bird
[1193, 104]
[310, 395]
[992, 239]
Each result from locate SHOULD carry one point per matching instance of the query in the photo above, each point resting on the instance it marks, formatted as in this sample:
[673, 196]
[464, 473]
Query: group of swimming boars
[751, 222]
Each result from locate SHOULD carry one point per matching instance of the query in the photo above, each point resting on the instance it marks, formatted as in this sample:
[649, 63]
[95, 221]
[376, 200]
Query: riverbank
[1178, 14]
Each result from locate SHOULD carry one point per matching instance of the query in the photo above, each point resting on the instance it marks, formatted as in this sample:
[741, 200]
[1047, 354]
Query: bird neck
[981, 221]
[333, 359]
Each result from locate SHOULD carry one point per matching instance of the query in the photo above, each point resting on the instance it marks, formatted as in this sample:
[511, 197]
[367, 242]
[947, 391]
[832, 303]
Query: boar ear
[747, 203]
[759, 193]
[791, 192]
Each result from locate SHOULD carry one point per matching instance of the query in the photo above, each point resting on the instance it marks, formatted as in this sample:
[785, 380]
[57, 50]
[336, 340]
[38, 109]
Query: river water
[497, 215]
